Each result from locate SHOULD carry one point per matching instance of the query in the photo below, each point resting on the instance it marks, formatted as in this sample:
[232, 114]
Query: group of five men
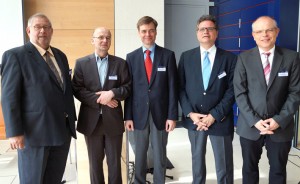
[39, 111]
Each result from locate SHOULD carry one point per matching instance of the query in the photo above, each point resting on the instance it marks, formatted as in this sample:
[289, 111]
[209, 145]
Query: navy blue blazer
[217, 99]
[33, 103]
[160, 97]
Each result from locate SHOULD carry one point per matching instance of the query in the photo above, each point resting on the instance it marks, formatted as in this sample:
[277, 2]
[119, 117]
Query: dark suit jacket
[160, 96]
[33, 103]
[279, 100]
[217, 99]
[86, 83]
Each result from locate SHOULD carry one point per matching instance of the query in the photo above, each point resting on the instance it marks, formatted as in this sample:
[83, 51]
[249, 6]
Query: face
[265, 33]
[207, 33]
[102, 41]
[147, 33]
[40, 32]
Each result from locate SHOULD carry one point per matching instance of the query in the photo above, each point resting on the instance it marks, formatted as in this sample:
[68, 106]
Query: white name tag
[221, 75]
[113, 77]
[161, 69]
[283, 74]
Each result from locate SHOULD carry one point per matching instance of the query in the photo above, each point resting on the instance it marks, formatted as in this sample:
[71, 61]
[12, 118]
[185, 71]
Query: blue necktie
[206, 70]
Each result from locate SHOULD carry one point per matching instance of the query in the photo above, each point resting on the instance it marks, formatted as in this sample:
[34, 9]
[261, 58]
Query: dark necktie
[206, 70]
[53, 68]
[267, 67]
[148, 65]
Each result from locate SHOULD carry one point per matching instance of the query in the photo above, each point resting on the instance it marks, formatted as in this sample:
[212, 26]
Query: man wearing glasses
[266, 85]
[206, 97]
[38, 104]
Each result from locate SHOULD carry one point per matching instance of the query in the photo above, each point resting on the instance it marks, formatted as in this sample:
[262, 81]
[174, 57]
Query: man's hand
[129, 125]
[170, 125]
[273, 125]
[17, 142]
[208, 120]
[112, 104]
[263, 127]
[105, 97]
[197, 117]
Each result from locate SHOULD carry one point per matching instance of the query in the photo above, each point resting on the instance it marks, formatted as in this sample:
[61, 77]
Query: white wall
[11, 25]
[127, 14]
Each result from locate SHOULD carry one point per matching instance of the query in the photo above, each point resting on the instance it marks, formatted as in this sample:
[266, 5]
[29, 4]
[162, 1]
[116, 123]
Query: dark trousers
[277, 153]
[43, 164]
[100, 145]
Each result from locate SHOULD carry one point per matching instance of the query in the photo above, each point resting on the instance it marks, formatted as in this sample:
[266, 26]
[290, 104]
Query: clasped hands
[202, 121]
[106, 98]
[267, 126]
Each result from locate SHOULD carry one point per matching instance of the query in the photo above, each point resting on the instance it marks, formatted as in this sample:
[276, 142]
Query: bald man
[100, 82]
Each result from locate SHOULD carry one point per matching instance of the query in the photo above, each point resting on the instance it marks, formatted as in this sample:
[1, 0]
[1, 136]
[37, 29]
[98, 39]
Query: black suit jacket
[33, 103]
[217, 99]
[160, 96]
[86, 83]
[279, 100]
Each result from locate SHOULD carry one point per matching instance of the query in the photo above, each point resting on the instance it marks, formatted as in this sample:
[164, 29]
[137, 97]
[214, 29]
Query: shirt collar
[41, 50]
[271, 51]
[211, 50]
[152, 48]
[97, 57]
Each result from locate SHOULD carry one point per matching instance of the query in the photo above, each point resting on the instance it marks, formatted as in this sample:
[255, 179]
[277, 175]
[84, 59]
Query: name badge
[161, 69]
[283, 74]
[221, 75]
[113, 77]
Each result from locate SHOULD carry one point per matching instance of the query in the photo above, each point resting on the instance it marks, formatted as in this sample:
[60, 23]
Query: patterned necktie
[267, 67]
[53, 69]
[206, 70]
[148, 65]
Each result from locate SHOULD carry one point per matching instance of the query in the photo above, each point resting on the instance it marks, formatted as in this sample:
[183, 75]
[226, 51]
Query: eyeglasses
[103, 37]
[150, 31]
[209, 29]
[38, 28]
[267, 31]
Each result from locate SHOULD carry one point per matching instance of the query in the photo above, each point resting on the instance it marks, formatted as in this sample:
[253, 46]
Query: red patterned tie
[148, 64]
[267, 67]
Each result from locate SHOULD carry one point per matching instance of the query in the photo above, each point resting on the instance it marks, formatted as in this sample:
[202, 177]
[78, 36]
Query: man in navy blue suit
[38, 104]
[206, 97]
[151, 110]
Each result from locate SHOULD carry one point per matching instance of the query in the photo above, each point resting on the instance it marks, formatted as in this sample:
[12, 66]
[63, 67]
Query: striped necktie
[267, 67]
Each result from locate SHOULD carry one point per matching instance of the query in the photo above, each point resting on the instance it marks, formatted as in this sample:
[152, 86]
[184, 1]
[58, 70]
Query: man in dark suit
[207, 103]
[100, 82]
[151, 109]
[266, 84]
[38, 104]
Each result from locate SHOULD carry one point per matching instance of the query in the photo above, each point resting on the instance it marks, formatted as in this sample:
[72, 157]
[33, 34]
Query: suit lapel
[92, 69]
[111, 67]
[41, 61]
[61, 67]
[196, 64]
[216, 68]
[275, 65]
[157, 60]
[258, 67]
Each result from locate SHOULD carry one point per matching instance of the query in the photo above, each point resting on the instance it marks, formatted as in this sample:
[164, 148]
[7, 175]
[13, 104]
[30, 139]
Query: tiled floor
[178, 153]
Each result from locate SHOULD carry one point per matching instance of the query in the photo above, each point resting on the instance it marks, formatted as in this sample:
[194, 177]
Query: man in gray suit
[38, 104]
[267, 91]
[100, 82]
[207, 107]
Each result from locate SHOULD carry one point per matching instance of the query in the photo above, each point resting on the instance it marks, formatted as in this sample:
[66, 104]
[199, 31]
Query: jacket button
[204, 93]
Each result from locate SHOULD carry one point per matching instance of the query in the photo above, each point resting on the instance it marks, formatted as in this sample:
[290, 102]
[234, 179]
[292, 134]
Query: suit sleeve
[183, 98]
[123, 91]
[173, 89]
[221, 110]
[291, 104]
[80, 91]
[240, 91]
[128, 115]
[11, 84]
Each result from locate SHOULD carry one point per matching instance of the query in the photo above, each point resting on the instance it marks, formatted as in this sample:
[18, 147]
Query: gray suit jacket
[279, 100]
[86, 83]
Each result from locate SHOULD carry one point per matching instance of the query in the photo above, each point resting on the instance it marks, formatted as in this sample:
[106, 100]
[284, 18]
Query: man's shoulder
[85, 58]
